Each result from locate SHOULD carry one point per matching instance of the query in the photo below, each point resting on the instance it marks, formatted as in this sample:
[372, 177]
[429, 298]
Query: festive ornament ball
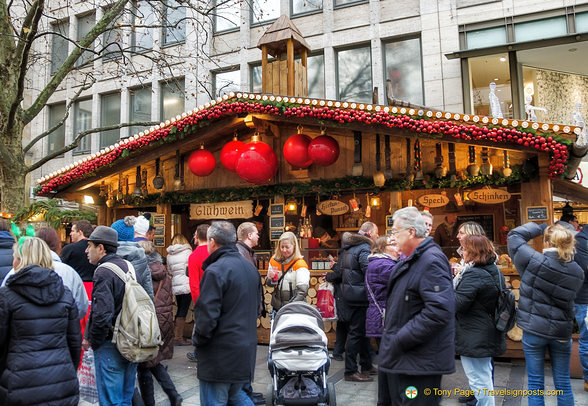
[230, 153]
[257, 164]
[323, 150]
[296, 150]
[201, 162]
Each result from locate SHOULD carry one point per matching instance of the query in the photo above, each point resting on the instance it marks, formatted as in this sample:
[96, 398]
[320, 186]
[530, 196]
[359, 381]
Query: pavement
[507, 376]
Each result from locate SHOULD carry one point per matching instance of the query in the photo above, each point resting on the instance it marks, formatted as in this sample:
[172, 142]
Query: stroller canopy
[298, 324]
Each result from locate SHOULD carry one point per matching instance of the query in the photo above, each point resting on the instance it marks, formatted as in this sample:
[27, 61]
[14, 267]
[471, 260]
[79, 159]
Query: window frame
[226, 30]
[66, 41]
[337, 80]
[85, 142]
[214, 73]
[384, 63]
[80, 61]
[253, 22]
[166, 25]
[304, 13]
[349, 4]
[132, 94]
[102, 124]
[162, 86]
[50, 124]
[134, 46]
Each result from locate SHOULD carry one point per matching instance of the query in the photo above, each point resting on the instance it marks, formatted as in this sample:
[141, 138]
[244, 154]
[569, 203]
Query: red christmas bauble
[296, 150]
[201, 162]
[230, 153]
[323, 150]
[257, 164]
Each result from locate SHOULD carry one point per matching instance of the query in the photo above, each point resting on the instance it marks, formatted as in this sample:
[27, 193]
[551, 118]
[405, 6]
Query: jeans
[479, 373]
[159, 372]
[221, 394]
[115, 376]
[581, 311]
[559, 354]
[357, 343]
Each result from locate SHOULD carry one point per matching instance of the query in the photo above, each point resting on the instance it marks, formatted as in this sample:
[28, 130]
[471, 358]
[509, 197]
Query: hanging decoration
[473, 169]
[201, 162]
[409, 171]
[440, 170]
[452, 168]
[179, 170]
[324, 149]
[258, 163]
[379, 177]
[357, 168]
[418, 175]
[158, 181]
[507, 170]
[486, 167]
[296, 149]
[231, 152]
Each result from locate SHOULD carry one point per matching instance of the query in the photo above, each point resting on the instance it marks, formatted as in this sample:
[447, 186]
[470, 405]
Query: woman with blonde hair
[465, 229]
[287, 272]
[177, 263]
[549, 282]
[39, 331]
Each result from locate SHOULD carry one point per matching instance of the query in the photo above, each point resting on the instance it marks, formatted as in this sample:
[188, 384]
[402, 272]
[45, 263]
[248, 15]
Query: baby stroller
[298, 358]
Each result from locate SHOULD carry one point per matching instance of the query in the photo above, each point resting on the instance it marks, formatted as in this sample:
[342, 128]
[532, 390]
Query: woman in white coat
[177, 264]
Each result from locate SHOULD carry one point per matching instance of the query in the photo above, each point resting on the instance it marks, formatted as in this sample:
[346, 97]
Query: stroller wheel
[332, 399]
[269, 395]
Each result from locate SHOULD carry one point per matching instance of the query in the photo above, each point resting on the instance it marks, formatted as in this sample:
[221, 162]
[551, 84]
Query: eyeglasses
[395, 231]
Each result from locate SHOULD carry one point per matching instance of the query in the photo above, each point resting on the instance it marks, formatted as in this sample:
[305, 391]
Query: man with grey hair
[417, 346]
[225, 320]
[428, 218]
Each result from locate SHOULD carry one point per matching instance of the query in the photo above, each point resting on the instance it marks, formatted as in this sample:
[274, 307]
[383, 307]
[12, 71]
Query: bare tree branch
[79, 137]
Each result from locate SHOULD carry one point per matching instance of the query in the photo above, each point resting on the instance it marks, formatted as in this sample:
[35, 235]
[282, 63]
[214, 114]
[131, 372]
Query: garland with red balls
[555, 145]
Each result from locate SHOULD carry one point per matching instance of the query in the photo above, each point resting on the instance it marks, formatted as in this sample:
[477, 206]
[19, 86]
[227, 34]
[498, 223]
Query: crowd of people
[399, 289]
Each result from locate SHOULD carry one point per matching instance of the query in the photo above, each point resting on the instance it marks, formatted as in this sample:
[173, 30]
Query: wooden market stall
[339, 163]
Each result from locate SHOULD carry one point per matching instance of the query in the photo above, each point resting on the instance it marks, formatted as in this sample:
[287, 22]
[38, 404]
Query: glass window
[486, 38]
[256, 78]
[264, 10]
[306, 6]
[59, 45]
[172, 98]
[175, 22]
[82, 122]
[354, 74]
[227, 82]
[143, 21]
[226, 15]
[113, 40]
[404, 70]
[139, 108]
[483, 71]
[582, 22]
[85, 24]
[346, 2]
[109, 115]
[316, 76]
[56, 140]
[547, 28]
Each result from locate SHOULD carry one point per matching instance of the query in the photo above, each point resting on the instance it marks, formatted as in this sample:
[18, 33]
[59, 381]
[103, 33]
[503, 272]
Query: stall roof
[230, 109]
[570, 190]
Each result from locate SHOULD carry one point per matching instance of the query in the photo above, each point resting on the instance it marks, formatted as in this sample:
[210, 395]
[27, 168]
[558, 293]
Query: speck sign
[433, 200]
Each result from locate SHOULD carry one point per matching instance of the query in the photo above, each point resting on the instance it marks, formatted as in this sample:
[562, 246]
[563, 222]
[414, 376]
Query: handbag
[87, 379]
[325, 301]
[380, 310]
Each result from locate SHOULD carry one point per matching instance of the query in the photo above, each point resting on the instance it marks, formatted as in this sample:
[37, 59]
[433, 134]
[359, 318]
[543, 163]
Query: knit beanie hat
[141, 226]
[125, 228]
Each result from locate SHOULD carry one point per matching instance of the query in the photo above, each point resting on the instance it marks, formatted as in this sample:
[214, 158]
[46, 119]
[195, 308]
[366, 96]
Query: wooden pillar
[264, 75]
[102, 215]
[538, 192]
[165, 209]
[304, 57]
[290, 65]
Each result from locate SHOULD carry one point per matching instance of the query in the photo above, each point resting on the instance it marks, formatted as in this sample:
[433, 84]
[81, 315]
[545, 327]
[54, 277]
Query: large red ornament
[201, 162]
[296, 150]
[323, 150]
[230, 153]
[258, 163]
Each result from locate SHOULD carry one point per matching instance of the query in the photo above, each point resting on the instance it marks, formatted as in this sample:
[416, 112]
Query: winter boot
[179, 332]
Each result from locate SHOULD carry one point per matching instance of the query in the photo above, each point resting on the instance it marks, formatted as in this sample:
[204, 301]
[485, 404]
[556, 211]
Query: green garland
[53, 215]
[328, 187]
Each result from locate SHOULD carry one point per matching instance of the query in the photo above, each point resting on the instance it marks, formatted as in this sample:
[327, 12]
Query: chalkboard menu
[537, 213]
[485, 220]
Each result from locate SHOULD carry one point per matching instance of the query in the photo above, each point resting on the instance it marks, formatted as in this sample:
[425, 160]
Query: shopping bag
[87, 380]
[325, 301]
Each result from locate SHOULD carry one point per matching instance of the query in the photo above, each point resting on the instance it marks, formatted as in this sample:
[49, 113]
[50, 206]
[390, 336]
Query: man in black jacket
[351, 266]
[115, 375]
[74, 254]
[225, 316]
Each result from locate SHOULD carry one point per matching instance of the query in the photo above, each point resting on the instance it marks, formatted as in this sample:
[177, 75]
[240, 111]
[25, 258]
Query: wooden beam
[290, 58]
[264, 73]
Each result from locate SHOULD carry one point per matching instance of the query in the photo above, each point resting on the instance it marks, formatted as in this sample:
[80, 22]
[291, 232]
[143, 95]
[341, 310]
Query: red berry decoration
[230, 153]
[201, 162]
[258, 163]
[296, 150]
[323, 150]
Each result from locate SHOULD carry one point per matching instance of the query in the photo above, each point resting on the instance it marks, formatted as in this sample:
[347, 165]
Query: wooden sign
[489, 196]
[159, 231]
[159, 219]
[228, 210]
[535, 213]
[276, 210]
[433, 200]
[275, 234]
[159, 241]
[333, 207]
[278, 222]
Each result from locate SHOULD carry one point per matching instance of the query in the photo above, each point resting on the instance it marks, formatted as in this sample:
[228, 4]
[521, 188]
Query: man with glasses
[417, 345]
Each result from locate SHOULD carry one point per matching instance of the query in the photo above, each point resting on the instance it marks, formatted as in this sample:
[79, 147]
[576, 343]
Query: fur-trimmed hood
[352, 239]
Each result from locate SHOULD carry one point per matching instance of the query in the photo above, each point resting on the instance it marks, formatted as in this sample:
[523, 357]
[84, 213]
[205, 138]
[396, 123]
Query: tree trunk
[12, 171]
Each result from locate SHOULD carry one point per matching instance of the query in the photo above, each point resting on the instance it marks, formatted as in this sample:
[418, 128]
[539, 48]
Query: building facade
[441, 54]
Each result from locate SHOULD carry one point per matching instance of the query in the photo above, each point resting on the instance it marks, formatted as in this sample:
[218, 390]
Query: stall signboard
[275, 234]
[159, 219]
[535, 213]
[489, 196]
[159, 241]
[226, 210]
[333, 207]
[278, 222]
[433, 200]
[389, 221]
[276, 210]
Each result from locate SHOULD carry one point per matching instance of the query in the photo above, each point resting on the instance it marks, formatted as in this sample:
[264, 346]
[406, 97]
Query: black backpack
[506, 311]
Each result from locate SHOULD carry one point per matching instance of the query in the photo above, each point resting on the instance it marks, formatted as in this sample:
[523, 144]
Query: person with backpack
[476, 338]
[549, 282]
[115, 375]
